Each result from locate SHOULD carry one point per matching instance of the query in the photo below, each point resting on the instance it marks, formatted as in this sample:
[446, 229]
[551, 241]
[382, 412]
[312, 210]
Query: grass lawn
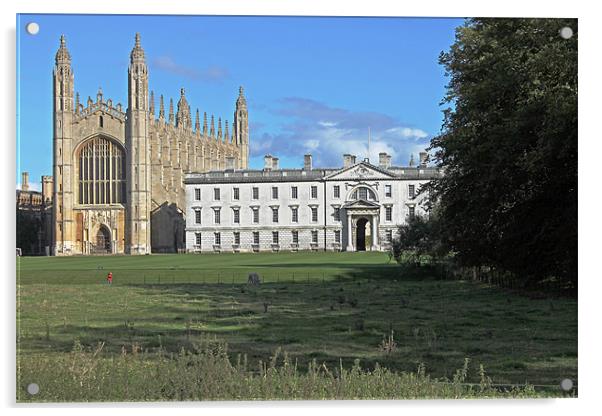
[323, 306]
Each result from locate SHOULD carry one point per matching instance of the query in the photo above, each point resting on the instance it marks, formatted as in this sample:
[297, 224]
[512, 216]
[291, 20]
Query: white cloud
[329, 132]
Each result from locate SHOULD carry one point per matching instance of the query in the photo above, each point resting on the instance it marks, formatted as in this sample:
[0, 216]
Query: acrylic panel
[295, 208]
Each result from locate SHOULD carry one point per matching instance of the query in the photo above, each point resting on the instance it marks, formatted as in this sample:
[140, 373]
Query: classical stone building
[354, 208]
[34, 217]
[119, 171]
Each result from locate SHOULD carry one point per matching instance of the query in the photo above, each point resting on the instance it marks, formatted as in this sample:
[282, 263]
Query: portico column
[375, 232]
[349, 233]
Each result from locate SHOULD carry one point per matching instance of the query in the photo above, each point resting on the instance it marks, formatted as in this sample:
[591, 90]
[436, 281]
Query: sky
[313, 84]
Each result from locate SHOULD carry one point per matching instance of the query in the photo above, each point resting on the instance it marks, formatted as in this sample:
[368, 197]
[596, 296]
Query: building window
[314, 192]
[274, 214]
[256, 215]
[197, 215]
[389, 236]
[197, 194]
[236, 216]
[412, 212]
[274, 192]
[236, 194]
[363, 193]
[388, 213]
[295, 235]
[337, 191]
[256, 237]
[255, 193]
[314, 214]
[275, 237]
[412, 191]
[388, 191]
[337, 236]
[337, 213]
[101, 173]
[314, 237]
[198, 239]
[236, 238]
[295, 214]
[217, 216]
[294, 192]
[216, 194]
[218, 238]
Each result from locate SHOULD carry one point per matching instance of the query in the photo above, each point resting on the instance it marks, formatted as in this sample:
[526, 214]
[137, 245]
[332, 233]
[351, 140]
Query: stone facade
[34, 217]
[118, 173]
[354, 208]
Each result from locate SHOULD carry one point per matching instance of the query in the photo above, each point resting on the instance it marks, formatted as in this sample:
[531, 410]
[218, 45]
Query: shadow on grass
[433, 321]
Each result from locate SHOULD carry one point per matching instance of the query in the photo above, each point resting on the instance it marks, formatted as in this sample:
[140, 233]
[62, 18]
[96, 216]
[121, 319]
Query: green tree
[508, 147]
[27, 232]
[418, 237]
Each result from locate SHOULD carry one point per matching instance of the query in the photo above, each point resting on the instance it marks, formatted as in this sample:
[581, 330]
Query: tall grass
[208, 372]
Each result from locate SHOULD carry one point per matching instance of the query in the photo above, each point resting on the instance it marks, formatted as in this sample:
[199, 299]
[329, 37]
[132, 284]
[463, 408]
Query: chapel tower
[241, 129]
[138, 161]
[62, 209]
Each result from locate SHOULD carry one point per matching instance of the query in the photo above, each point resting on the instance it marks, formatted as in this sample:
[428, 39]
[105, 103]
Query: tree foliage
[27, 232]
[508, 147]
[418, 237]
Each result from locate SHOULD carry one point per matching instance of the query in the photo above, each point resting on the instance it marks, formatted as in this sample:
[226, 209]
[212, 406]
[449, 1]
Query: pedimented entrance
[362, 225]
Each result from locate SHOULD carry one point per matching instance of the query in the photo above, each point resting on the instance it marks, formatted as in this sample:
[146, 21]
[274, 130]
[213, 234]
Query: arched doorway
[103, 240]
[360, 233]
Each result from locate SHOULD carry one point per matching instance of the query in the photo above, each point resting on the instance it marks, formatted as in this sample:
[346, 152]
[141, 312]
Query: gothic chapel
[118, 174]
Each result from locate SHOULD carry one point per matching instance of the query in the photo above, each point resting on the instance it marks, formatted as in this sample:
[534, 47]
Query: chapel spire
[62, 54]
[137, 54]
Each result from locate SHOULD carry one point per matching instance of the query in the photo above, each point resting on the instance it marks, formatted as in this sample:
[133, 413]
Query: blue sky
[313, 84]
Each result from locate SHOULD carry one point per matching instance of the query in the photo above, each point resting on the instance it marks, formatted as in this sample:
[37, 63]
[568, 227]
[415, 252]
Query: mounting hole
[566, 384]
[566, 32]
[32, 28]
[33, 388]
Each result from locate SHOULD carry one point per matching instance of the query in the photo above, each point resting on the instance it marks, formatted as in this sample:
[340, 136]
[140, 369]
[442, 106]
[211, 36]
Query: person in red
[110, 278]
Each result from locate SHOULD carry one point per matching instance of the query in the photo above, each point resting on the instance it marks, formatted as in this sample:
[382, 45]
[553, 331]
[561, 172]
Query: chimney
[384, 160]
[348, 160]
[25, 181]
[230, 162]
[47, 188]
[267, 162]
[275, 163]
[424, 157]
[307, 162]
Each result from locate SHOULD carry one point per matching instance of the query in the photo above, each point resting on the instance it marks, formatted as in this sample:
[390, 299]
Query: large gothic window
[101, 172]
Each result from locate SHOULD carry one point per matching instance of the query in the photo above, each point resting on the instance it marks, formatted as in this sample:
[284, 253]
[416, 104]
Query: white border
[590, 288]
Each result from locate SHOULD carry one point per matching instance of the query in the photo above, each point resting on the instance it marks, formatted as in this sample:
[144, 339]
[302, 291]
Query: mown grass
[338, 309]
